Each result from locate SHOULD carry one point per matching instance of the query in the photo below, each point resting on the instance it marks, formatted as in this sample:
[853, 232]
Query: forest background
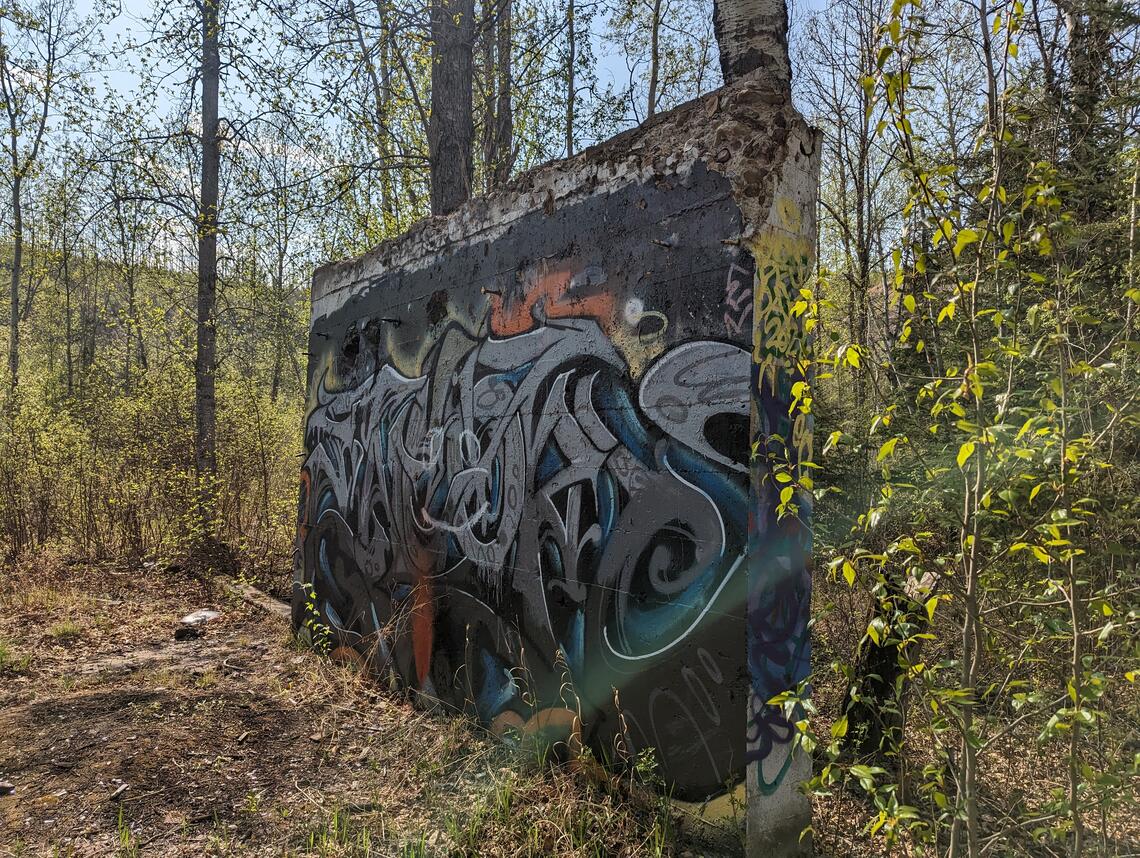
[973, 321]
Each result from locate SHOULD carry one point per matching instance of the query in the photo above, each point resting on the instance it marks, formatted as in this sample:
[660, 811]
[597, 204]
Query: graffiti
[738, 300]
[522, 504]
[783, 264]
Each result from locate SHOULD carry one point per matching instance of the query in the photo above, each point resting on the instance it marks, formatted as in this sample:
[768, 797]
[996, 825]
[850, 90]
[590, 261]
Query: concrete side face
[529, 489]
[779, 598]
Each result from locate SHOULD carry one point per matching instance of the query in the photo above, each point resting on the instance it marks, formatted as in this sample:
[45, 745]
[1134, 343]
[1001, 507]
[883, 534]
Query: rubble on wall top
[741, 131]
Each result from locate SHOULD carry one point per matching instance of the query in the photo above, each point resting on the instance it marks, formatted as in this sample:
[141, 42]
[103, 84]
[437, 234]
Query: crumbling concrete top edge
[741, 131]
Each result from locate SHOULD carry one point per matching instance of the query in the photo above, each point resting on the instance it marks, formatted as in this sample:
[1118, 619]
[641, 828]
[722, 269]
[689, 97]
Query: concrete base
[776, 821]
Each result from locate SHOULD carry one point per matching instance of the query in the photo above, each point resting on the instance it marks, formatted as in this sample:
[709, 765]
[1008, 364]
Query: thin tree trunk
[280, 325]
[450, 129]
[383, 100]
[275, 382]
[571, 91]
[69, 331]
[1132, 249]
[1074, 598]
[17, 265]
[504, 118]
[87, 319]
[22, 166]
[490, 138]
[654, 59]
[136, 348]
[381, 91]
[205, 440]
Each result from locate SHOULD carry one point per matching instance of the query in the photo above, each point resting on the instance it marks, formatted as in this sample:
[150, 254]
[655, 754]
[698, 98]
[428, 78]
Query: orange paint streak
[517, 317]
[303, 515]
[423, 615]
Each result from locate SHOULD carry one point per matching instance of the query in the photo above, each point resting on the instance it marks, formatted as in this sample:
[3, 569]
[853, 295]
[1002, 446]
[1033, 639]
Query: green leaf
[832, 441]
[887, 448]
[848, 573]
[931, 604]
[865, 772]
[965, 238]
[908, 302]
[873, 630]
[965, 452]
[839, 728]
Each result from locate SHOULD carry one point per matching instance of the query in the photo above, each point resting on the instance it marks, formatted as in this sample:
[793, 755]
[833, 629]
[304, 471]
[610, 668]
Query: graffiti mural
[528, 490]
[539, 520]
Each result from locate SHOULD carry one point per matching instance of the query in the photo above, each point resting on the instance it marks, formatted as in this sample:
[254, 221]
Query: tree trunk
[753, 34]
[490, 126]
[571, 90]
[450, 129]
[654, 59]
[205, 438]
[504, 118]
[88, 319]
[275, 382]
[383, 121]
[136, 347]
[17, 265]
[69, 326]
[280, 326]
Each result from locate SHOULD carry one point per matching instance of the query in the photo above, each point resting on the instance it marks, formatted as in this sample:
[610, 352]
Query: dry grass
[121, 741]
[241, 743]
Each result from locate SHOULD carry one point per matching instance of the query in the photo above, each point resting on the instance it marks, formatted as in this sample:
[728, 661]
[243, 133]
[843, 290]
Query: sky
[125, 26]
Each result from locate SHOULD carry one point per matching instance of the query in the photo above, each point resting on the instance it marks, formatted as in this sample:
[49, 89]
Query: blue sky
[126, 25]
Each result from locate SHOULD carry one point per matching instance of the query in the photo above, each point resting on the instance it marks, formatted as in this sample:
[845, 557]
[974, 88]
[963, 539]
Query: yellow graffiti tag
[783, 266]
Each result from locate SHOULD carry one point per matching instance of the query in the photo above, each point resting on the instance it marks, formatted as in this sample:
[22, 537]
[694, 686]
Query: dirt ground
[117, 739]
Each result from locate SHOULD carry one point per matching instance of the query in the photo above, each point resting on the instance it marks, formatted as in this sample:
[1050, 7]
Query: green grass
[65, 632]
[340, 835]
[11, 662]
[128, 845]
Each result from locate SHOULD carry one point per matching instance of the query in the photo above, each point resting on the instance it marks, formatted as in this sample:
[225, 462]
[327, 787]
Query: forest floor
[117, 739]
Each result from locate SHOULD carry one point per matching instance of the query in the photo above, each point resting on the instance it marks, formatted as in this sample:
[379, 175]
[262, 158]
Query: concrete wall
[529, 489]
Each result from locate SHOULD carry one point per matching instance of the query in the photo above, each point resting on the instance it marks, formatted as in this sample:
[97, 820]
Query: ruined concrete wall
[529, 489]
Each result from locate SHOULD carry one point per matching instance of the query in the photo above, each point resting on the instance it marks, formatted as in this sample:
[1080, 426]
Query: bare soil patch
[119, 740]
